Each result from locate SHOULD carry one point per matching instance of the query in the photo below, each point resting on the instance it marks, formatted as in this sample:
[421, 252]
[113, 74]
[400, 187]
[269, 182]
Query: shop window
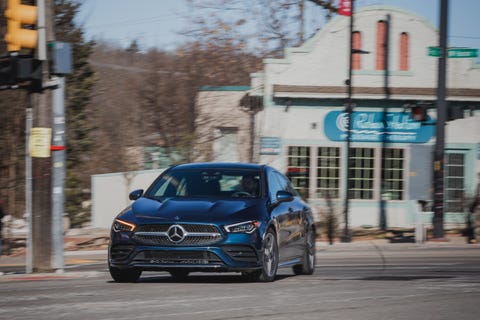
[380, 47]
[298, 169]
[393, 174]
[362, 167]
[328, 172]
[357, 44]
[404, 48]
[454, 182]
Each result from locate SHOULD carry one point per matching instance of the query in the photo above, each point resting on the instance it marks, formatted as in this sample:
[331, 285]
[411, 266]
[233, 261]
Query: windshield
[221, 183]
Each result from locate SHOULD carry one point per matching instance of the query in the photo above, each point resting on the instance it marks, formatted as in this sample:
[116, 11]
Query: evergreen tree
[78, 94]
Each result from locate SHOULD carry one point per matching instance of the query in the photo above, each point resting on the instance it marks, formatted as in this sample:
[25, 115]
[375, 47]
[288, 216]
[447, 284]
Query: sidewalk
[363, 243]
[81, 247]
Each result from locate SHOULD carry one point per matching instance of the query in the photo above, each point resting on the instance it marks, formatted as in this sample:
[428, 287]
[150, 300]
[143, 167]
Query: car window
[274, 185]
[229, 183]
[277, 182]
[286, 184]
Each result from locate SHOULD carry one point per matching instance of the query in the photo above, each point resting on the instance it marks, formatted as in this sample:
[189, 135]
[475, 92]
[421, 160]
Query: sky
[158, 23]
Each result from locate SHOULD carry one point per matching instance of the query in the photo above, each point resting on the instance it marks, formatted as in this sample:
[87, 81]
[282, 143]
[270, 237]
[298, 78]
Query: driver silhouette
[250, 184]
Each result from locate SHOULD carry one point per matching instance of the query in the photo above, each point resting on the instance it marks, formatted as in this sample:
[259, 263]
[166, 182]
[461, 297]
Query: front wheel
[269, 268]
[126, 275]
[308, 264]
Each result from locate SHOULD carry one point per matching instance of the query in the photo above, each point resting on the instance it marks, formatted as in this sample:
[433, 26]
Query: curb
[61, 275]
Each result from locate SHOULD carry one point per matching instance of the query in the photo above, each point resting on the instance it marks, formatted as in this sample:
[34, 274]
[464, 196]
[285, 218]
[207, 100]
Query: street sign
[454, 52]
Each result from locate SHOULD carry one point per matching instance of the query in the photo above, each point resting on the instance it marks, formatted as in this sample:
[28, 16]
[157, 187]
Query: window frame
[375, 159]
[404, 50]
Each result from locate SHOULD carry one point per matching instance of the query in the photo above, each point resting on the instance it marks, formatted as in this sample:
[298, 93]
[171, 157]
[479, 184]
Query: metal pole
[383, 214]
[58, 174]
[439, 151]
[28, 187]
[41, 29]
[346, 234]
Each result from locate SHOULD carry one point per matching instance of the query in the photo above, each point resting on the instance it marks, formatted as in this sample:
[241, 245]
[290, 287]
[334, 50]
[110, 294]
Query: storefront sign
[269, 145]
[372, 127]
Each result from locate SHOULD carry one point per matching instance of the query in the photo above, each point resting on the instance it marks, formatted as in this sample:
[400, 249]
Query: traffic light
[418, 113]
[19, 15]
[7, 71]
[21, 71]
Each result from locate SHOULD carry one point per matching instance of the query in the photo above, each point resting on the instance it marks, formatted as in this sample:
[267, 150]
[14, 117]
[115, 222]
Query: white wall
[110, 193]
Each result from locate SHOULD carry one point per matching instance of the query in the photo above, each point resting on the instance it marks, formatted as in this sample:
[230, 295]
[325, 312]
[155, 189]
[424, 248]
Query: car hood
[195, 210]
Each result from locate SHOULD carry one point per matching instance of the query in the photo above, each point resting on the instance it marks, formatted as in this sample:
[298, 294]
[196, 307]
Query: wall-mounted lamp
[288, 103]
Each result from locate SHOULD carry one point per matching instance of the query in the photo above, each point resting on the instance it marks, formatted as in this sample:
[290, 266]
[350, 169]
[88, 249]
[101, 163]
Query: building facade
[302, 127]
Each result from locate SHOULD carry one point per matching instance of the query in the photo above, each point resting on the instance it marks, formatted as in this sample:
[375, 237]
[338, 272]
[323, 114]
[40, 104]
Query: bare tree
[266, 26]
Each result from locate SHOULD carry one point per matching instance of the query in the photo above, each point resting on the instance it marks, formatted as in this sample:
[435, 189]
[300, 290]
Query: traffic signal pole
[58, 173]
[45, 119]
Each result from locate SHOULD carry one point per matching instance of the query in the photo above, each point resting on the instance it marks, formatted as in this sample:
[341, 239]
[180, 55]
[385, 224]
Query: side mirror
[134, 195]
[284, 196]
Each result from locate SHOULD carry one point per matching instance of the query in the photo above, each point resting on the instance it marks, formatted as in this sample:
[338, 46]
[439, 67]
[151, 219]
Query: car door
[296, 219]
[282, 212]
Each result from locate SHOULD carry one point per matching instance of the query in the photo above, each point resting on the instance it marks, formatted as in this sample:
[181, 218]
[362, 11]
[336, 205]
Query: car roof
[218, 165]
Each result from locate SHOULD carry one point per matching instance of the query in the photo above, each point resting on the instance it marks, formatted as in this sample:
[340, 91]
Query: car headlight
[243, 227]
[120, 225]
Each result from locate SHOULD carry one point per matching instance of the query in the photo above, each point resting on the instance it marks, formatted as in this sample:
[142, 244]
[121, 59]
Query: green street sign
[454, 52]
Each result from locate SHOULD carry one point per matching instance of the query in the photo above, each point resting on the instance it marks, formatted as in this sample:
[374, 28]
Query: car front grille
[184, 235]
[178, 257]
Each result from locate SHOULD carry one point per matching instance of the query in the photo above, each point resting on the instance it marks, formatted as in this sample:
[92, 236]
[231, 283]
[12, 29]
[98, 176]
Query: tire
[269, 268]
[307, 267]
[124, 275]
[179, 274]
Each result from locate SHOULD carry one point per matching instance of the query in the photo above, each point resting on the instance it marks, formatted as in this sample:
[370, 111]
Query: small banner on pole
[345, 8]
[40, 141]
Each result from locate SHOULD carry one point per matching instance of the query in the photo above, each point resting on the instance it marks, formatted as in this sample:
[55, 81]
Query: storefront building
[302, 127]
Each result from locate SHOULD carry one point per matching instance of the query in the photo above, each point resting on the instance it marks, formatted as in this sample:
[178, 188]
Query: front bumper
[235, 252]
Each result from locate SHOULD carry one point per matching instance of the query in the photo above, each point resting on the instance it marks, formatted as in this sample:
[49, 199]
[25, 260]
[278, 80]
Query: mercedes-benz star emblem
[176, 233]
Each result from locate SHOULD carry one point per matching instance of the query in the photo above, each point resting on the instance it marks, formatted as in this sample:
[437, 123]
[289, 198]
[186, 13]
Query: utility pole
[41, 219]
[439, 150]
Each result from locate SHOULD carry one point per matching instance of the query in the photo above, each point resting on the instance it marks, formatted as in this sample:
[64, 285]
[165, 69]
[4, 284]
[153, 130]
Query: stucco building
[301, 129]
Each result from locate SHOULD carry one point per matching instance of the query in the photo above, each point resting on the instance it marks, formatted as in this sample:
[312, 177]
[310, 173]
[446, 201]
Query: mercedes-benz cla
[220, 217]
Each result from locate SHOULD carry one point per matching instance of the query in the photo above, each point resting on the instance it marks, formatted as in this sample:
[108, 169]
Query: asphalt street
[369, 280]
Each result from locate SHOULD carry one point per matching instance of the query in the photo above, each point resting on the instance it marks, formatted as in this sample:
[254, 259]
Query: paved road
[350, 282]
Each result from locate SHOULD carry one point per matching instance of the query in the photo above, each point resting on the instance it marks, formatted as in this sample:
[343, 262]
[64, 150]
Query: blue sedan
[219, 217]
